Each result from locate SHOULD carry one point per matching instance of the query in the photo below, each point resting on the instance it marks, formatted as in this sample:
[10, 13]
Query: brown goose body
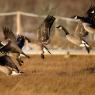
[73, 39]
[77, 40]
[44, 33]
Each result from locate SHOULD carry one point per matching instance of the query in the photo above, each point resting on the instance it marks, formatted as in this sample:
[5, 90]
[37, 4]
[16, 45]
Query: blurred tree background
[65, 8]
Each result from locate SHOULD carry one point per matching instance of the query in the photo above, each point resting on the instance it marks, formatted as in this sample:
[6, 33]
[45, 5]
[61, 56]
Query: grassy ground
[56, 75]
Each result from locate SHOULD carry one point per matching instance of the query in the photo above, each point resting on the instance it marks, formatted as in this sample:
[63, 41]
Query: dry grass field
[56, 75]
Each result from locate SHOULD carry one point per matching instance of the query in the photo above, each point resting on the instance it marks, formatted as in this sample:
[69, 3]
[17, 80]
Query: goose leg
[42, 49]
[47, 49]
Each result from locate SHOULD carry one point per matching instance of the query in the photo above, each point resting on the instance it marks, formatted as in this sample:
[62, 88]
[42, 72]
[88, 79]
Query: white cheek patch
[93, 12]
[75, 17]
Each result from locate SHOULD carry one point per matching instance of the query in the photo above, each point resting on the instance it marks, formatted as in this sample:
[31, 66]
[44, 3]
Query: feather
[45, 29]
[9, 34]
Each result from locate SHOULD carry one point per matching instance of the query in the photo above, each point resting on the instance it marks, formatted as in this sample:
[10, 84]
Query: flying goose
[75, 39]
[88, 21]
[44, 33]
[13, 46]
[7, 65]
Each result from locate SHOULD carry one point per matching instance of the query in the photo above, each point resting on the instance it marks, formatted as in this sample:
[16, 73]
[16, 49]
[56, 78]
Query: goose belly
[74, 40]
[5, 70]
[88, 28]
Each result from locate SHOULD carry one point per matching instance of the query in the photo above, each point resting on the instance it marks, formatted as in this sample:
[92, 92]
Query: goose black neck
[81, 18]
[84, 19]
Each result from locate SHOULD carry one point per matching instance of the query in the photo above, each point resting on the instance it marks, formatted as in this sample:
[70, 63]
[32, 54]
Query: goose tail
[87, 48]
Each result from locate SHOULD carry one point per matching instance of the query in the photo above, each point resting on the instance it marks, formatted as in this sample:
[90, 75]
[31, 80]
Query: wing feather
[9, 34]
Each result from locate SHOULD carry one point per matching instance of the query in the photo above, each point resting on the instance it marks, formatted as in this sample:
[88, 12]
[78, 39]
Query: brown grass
[56, 75]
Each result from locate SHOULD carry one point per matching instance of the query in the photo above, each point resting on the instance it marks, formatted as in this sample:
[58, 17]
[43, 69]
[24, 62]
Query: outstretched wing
[12, 46]
[9, 34]
[45, 29]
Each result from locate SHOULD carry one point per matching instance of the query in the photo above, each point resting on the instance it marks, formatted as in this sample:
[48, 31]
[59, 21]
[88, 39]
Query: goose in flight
[13, 46]
[44, 33]
[75, 39]
[88, 21]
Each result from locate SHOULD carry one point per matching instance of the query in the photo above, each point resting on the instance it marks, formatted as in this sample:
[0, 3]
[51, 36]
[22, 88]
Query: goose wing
[9, 34]
[12, 47]
[7, 61]
[80, 31]
[45, 29]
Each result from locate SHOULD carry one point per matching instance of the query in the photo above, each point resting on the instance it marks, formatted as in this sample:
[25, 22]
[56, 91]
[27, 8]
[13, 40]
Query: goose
[13, 46]
[44, 33]
[7, 65]
[88, 26]
[88, 21]
[21, 42]
[75, 39]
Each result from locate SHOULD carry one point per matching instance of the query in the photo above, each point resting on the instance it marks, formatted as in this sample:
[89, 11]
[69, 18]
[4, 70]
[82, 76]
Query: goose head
[91, 11]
